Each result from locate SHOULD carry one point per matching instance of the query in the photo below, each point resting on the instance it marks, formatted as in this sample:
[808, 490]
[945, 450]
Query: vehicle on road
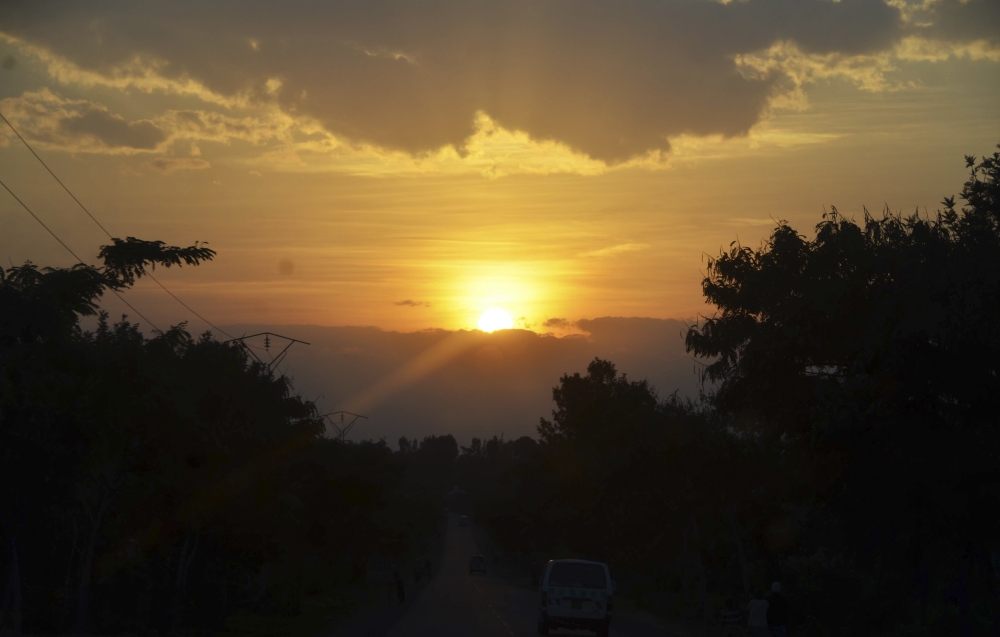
[477, 564]
[576, 594]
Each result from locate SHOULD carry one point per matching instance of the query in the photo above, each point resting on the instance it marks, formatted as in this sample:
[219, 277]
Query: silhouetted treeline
[849, 448]
[172, 482]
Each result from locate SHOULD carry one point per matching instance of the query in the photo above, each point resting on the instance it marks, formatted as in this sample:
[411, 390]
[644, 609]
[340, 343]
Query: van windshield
[570, 575]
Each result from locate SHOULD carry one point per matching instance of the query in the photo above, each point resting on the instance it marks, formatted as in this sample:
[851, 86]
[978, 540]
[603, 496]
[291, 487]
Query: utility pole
[344, 427]
[275, 358]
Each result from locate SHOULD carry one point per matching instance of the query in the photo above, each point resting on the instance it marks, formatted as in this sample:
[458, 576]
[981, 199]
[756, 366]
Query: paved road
[457, 604]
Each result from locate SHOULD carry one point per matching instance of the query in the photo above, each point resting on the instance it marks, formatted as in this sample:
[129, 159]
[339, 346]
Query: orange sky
[410, 165]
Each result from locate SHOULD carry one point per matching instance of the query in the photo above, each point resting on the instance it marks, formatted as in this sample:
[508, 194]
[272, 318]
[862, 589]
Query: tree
[39, 325]
[875, 349]
[167, 482]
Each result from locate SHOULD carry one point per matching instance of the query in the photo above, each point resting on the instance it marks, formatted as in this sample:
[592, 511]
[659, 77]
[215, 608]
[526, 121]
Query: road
[457, 604]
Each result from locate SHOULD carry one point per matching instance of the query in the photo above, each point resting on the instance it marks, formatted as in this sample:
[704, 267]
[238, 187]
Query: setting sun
[495, 319]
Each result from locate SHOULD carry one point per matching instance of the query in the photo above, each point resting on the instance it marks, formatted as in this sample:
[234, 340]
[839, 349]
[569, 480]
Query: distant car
[477, 564]
[576, 594]
[463, 520]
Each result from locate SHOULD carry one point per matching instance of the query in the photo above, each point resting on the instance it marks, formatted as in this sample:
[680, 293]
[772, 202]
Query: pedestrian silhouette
[757, 616]
[777, 612]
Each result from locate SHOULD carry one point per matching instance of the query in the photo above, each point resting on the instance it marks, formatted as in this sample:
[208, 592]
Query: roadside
[374, 609]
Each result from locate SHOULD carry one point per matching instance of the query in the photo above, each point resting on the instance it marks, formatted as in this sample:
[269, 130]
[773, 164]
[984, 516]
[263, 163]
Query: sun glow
[495, 319]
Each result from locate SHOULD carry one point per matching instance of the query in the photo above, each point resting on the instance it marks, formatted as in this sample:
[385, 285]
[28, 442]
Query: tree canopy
[170, 481]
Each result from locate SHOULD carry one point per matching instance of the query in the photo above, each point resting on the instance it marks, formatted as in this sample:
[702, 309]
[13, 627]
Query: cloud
[167, 165]
[80, 125]
[112, 131]
[268, 126]
[76, 125]
[615, 250]
[556, 322]
[604, 82]
[136, 73]
[924, 50]
[950, 20]
[877, 72]
[412, 303]
[491, 151]
[792, 68]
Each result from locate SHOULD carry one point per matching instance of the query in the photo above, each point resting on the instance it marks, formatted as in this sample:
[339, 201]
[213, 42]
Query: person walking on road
[400, 593]
[757, 616]
[390, 584]
[777, 612]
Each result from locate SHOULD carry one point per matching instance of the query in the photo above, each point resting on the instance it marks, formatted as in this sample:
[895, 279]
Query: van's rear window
[570, 575]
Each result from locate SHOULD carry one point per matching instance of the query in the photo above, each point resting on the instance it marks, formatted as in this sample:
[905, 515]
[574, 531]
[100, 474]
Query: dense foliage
[849, 448]
[173, 482]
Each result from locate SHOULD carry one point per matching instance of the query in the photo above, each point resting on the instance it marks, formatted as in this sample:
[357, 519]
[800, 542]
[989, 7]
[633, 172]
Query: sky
[405, 165]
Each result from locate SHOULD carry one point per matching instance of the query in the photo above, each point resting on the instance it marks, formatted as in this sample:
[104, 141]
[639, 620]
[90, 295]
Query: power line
[189, 308]
[70, 250]
[101, 226]
[275, 360]
[28, 146]
[47, 229]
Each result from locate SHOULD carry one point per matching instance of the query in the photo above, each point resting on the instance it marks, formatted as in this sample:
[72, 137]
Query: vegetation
[173, 482]
[848, 449]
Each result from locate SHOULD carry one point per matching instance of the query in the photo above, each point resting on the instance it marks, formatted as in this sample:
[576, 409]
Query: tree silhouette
[171, 482]
[874, 348]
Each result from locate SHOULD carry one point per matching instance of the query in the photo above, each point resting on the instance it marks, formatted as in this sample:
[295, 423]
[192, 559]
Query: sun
[495, 319]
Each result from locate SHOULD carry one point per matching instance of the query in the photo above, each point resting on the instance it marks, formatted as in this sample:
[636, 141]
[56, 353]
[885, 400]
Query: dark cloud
[468, 382]
[612, 79]
[9, 63]
[955, 20]
[556, 322]
[78, 125]
[168, 165]
[113, 131]
[412, 303]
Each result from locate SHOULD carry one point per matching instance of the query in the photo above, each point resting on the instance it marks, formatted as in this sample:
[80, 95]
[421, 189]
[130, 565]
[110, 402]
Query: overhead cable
[70, 250]
[101, 226]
